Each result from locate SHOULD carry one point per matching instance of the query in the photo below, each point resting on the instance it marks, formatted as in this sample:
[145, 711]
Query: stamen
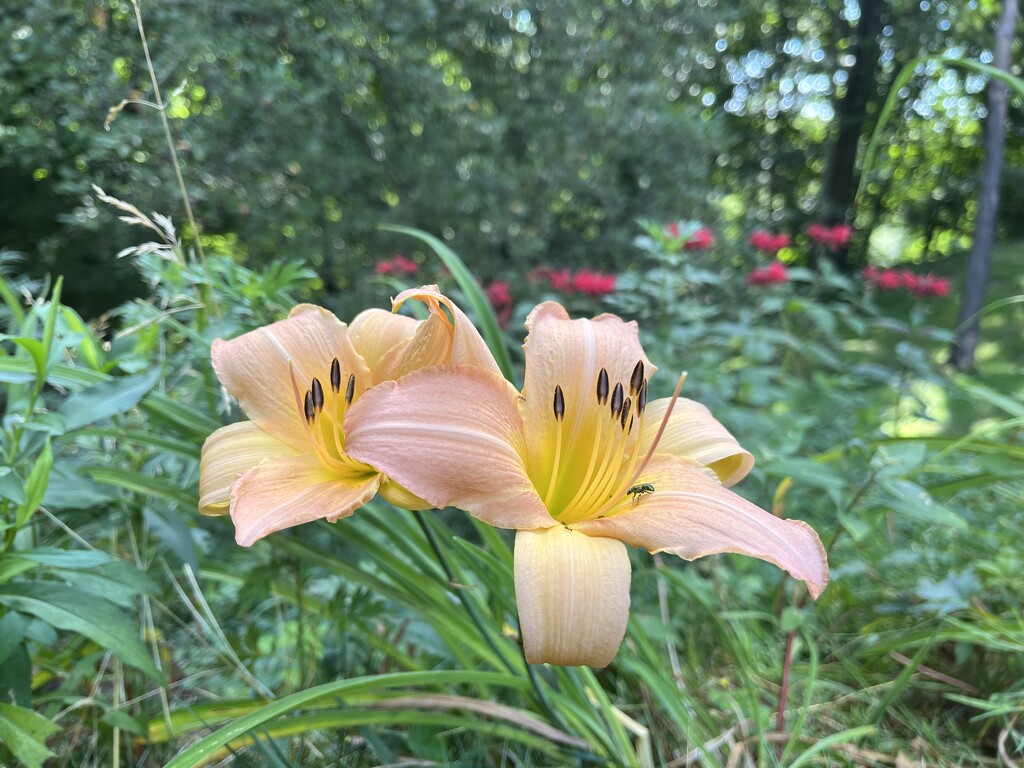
[335, 376]
[602, 386]
[641, 401]
[350, 390]
[308, 407]
[559, 406]
[617, 395]
[318, 395]
[636, 381]
[626, 407]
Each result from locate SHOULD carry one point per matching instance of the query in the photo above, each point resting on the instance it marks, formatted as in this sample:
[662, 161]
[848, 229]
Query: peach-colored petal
[256, 368]
[692, 432]
[453, 436]
[292, 490]
[229, 453]
[570, 354]
[376, 333]
[691, 515]
[572, 591]
[430, 345]
[466, 345]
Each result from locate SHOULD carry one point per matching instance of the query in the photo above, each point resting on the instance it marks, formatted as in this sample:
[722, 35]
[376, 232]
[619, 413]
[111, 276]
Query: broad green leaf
[35, 486]
[25, 733]
[90, 351]
[13, 626]
[12, 565]
[188, 419]
[66, 558]
[68, 490]
[106, 399]
[913, 501]
[75, 610]
[11, 487]
[36, 351]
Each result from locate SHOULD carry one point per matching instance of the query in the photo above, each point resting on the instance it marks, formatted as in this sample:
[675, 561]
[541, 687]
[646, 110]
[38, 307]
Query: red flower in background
[775, 272]
[397, 265]
[700, 240]
[499, 293]
[585, 281]
[769, 243]
[672, 230]
[923, 286]
[832, 237]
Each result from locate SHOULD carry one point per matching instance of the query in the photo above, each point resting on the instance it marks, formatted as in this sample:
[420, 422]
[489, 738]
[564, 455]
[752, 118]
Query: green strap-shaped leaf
[66, 607]
[106, 399]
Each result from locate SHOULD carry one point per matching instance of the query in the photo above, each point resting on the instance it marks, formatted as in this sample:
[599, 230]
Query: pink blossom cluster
[832, 237]
[585, 281]
[775, 272]
[397, 265]
[924, 286]
[499, 293]
[699, 240]
[769, 243]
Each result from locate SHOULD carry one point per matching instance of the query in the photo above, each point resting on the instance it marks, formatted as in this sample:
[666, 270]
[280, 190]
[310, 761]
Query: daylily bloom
[581, 464]
[296, 379]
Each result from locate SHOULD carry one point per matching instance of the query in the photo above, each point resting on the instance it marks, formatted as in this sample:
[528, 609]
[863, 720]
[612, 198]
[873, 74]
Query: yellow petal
[400, 497]
[290, 491]
[572, 591]
[692, 432]
[691, 515]
[465, 346]
[227, 454]
[255, 368]
[452, 436]
[377, 334]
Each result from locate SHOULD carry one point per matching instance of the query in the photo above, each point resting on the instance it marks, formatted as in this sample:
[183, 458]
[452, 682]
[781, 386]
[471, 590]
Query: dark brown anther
[350, 390]
[637, 379]
[641, 401]
[625, 412]
[308, 407]
[617, 395]
[559, 404]
[336, 376]
[602, 387]
[630, 427]
[318, 395]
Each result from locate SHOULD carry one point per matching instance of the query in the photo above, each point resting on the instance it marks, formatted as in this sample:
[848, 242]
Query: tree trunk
[840, 182]
[980, 259]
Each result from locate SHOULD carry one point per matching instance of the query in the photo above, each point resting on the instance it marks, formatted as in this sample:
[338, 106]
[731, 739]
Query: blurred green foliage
[520, 133]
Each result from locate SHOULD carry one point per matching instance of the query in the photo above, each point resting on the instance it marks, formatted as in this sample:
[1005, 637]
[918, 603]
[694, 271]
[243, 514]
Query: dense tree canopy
[523, 133]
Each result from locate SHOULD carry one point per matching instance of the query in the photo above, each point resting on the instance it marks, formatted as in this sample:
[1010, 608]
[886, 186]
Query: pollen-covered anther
[350, 390]
[317, 393]
[636, 380]
[559, 403]
[335, 376]
[602, 387]
[617, 395]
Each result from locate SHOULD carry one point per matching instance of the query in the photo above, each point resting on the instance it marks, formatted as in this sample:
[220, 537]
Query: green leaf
[913, 501]
[106, 399]
[36, 351]
[25, 733]
[474, 295]
[187, 419]
[138, 483]
[35, 486]
[13, 626]
[12, 565]
[67, 607]
[11, 487]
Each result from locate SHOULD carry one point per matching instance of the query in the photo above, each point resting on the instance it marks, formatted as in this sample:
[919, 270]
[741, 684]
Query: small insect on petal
[308, 407]
[335, 376]
[602, 386]
[559, 403]
[636, 380]
[350, 390]
[318, 395]
[617, 395]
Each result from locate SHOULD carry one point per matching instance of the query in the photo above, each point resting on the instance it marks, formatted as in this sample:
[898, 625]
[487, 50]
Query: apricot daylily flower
[296, 379]
[581, 464]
